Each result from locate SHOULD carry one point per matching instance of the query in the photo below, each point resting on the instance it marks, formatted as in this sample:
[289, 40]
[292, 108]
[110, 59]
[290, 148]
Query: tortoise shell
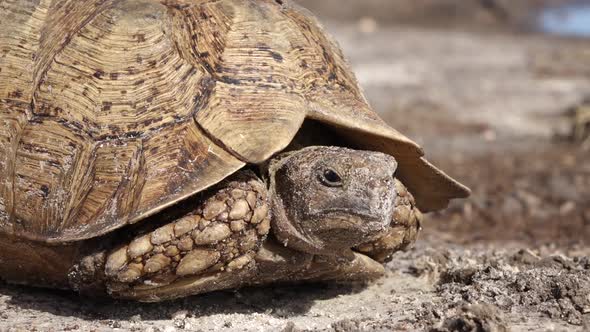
[113, 110]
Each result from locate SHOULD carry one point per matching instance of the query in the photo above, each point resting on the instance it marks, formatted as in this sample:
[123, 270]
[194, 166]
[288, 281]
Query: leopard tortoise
[154, 149]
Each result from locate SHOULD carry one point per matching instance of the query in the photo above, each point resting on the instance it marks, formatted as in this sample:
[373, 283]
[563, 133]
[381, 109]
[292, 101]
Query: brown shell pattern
[112, 110]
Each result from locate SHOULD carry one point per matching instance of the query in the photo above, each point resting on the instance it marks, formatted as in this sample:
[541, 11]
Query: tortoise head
[327, 200]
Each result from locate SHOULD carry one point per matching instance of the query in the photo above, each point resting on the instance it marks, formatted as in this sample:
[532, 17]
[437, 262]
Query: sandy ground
[489, 108]
[437, 286]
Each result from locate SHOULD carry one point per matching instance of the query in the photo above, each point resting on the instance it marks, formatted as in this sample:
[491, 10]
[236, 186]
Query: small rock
[567, 208]
[290, 327]
[180, 314]
[526, 256]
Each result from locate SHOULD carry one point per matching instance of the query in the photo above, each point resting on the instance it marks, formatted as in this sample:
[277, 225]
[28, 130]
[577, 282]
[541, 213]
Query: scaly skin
[225, 242]
[222, 234]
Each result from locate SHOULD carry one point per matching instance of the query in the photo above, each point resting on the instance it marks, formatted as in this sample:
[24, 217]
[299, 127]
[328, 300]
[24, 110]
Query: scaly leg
[217, 239]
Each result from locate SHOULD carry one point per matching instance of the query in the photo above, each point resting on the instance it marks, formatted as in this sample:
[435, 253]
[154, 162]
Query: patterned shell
[112, 110]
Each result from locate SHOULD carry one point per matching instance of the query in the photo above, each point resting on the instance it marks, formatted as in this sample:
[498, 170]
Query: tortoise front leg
[217, 240]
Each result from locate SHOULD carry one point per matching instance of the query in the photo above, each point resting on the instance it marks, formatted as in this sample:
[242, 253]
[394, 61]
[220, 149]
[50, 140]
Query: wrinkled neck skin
[288, 235]
[283, 229]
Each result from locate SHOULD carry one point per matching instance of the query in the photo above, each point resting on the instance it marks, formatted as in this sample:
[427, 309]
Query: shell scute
[115, 110]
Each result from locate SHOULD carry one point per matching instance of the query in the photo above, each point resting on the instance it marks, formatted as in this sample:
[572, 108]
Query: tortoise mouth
[352, 214]
[362, 222]
[342, 234]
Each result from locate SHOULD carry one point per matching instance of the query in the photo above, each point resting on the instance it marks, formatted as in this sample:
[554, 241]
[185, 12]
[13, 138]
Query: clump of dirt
[473, 318]
[556, 287]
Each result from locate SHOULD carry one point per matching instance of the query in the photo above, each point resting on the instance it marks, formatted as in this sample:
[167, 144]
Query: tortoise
[156, 149]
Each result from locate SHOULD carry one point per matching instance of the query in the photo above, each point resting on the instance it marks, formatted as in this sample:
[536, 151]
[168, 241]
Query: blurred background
[495, 92]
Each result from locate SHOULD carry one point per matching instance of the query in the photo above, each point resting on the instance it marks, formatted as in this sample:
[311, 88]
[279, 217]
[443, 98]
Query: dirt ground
[489, 107]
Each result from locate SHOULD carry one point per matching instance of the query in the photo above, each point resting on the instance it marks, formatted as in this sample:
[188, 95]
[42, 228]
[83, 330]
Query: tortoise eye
[330, 178]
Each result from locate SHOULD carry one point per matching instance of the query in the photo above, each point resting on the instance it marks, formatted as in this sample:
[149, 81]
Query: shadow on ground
[275, 301]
